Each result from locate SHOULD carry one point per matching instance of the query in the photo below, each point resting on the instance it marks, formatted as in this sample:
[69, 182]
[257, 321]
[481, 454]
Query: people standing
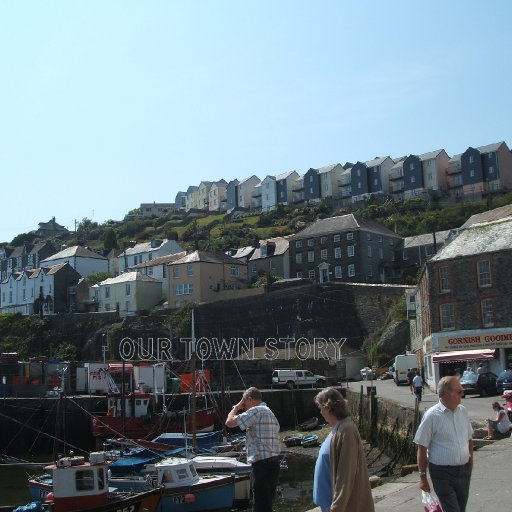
[262, 445]
[410, 376]
[341, 482]
[500, 425]
[417, 383]
[445, 443]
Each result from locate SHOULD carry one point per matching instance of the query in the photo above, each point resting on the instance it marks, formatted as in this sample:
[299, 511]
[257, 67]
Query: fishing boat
[131, 416]
[73, 484]
[184, 489]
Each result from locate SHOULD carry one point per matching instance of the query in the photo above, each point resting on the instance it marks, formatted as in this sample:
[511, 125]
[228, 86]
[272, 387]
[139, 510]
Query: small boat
[292, 440]
[185, 490]
[75, 485]
[310, 440]
[310, 424]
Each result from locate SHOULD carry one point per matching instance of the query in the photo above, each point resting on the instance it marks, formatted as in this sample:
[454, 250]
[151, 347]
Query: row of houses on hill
[471, 174]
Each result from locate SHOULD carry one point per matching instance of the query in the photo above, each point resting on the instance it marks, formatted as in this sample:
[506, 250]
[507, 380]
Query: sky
[105, 105]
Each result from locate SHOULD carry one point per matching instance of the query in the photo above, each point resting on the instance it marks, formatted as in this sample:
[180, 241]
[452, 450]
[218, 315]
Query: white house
[129, 293]
[268, 194]
[203, 193]
[245, 191]
[83, 260]
[147, 251]
[329, 180]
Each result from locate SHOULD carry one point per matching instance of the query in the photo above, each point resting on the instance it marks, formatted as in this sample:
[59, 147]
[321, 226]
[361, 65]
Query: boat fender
[190, 498]
[49, 498]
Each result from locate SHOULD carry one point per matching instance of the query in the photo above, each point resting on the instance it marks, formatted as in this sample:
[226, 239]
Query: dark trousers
[418, 391]
[451, 484]
[265, 474]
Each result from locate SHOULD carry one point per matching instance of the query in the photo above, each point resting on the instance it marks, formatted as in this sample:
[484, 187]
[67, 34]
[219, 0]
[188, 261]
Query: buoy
[49, 497]
[190, 498]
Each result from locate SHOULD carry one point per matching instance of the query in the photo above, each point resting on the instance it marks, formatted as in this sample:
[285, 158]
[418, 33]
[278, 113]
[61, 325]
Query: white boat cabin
[176, 472]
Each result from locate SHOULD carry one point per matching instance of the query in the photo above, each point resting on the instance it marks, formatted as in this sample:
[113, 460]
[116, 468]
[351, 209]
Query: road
[478, 408]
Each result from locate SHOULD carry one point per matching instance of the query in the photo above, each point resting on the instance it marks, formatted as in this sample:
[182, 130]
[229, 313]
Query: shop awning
[118, 367]
[464, 355]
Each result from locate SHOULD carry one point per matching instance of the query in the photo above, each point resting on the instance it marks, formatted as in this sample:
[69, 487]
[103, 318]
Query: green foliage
[97, 277]
[110, 241]
[85, 226]
[66, 352]
[266, 280]
[25, 238]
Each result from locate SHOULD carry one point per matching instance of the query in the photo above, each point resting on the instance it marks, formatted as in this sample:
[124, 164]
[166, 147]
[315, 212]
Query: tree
[110, 240]
[85, 226]
[97, 277]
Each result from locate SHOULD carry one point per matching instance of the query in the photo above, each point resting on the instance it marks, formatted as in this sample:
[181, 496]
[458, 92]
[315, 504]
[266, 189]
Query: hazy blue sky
[107, 104]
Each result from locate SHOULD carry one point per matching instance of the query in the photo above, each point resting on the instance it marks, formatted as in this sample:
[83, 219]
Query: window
[175, 271]
[337, 252]
[370, 272]
[491, 170]
[369, 251]
[234, 270]
[311, 242]
[487, 313]
[337, 238]
[127, 306]
[107, 292]
[127, 288]
[350, 251]
[368, 236]
[253, 268]
[107, 307]
[183, 289]
[150, 257]
[190, 270]
[164, 270]
[24, 295]
[323, 240]
[411, 166]
[299, 275]
[350, 236]
[311, 275]
[298, 243]
[472, 173]
[413, 179]
[381, 253]
[311, 256]
[444, 284]
[351, 270]
[379, 239]
[298, 258]
[447, 316]
[484, 273]
[84, 480]
[338, 272]
[323, 254]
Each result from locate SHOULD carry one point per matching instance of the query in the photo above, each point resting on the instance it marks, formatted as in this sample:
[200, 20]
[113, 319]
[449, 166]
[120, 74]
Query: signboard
[472, 340]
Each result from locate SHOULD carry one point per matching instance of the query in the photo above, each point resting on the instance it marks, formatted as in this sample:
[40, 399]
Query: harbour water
[294, 492]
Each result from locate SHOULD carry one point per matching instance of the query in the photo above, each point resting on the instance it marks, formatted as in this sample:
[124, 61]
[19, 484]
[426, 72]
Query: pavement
[490, 488]
[490, 483]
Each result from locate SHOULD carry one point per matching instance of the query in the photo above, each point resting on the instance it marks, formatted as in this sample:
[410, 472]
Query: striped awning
[464, 355]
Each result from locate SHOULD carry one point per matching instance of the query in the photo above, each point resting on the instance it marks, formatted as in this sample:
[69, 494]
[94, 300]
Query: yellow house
[200, 276]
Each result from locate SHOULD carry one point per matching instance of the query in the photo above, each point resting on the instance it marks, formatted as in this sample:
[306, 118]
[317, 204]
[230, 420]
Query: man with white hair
[445, 443]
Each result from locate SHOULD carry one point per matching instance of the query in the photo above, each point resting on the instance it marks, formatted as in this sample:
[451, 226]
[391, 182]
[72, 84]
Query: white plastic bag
[430, 503]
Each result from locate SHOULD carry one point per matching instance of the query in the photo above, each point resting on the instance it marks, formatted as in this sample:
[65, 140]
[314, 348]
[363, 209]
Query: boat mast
[193, 396]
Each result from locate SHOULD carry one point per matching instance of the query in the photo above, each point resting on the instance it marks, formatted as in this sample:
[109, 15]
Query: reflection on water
[294, 492]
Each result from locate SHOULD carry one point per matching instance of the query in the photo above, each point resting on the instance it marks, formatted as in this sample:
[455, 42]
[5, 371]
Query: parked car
[367, 373]
[482, 384]
[504, 381]
[296, 378]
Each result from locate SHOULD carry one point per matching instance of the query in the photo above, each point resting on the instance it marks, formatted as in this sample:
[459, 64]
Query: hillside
[219, 232]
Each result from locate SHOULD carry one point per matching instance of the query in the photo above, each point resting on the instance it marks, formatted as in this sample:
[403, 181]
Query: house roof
[144, 247]
[38, 246]
[76, 251]
[207, 257]
[284, 175]
[161, 260]
[497, 213]
[327, 168]
[127, 277]
[430, 155]
[282, 243]
[490, 147]
[376, 161]
[342, 223]
[426, 239]
[52, 225]
[243, 252]
[479, 238]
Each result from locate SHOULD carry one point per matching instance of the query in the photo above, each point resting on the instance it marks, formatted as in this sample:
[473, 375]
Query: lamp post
[104, 347]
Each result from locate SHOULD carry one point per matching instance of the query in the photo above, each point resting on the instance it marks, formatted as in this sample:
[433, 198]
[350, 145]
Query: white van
[296, 378]
[403, 362]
